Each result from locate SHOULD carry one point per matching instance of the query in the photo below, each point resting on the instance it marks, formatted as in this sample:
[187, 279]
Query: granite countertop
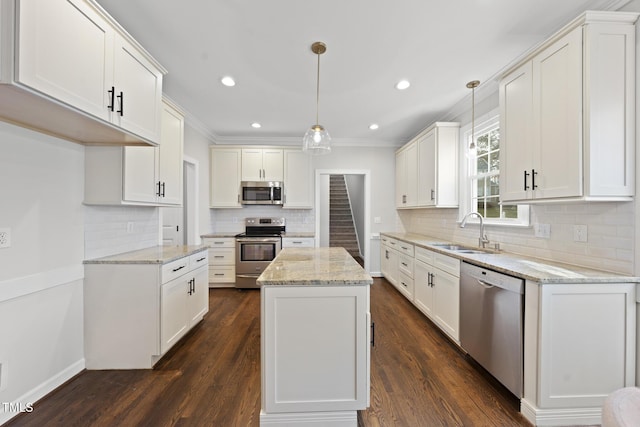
[221, 234]
[152, 255]
[528, 268]
[314, 266]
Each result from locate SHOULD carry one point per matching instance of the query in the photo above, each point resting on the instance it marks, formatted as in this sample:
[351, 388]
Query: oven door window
[256, 194]
[257, 251]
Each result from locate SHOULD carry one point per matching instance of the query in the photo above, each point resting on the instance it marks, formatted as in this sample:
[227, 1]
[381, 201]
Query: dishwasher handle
[485, 284]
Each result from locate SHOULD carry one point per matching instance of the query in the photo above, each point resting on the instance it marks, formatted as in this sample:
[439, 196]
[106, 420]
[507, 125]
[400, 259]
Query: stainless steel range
[256, 248]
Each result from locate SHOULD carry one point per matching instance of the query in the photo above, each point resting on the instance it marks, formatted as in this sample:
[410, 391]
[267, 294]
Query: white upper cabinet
[225, 177]
[298, 180]
[70, 70]
[262, 164]
[568, 115]
[139, 175]
[427, 168]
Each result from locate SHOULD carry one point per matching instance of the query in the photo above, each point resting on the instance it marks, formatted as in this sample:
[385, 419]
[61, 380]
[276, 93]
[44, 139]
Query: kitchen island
[315, 338]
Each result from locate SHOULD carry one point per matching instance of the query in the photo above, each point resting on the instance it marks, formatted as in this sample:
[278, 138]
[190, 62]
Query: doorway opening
[349, 220]
[180, 223]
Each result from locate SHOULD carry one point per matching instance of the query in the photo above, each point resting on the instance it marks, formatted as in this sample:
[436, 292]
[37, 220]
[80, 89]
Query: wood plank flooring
[212, 377]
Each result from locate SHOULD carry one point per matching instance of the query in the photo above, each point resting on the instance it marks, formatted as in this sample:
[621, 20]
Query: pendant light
[473, 85]
[317, 140]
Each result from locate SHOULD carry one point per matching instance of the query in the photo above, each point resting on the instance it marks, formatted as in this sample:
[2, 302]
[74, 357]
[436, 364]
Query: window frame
[484, 123]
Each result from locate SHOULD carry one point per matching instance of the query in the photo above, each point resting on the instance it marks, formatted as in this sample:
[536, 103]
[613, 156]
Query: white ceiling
[439, 45]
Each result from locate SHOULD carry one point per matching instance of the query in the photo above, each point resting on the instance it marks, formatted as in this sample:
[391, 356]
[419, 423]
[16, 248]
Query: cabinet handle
[373, 334]
[526, 187]
[405, 264]
[163, 189]
[296, 243]
[403, 284]
[433, 194]
[404, 198]
[218, 274]
[112, 93]
[121, 98]
[218, 256]
[533, 179]
[158, 192]
[201, 259]
[179, 268]
[386, 254]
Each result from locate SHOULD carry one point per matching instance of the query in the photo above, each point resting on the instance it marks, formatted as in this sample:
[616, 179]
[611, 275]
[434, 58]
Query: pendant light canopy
[473, 85]
[317, 140]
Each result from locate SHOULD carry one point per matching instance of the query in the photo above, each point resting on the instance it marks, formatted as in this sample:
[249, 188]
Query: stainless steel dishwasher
[491, 322]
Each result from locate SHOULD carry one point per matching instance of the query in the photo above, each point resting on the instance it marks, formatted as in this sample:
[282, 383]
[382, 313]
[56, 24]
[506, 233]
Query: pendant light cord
[318, 90]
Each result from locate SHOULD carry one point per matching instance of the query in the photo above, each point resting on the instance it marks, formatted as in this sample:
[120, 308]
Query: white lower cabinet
[222, 261]
[579, 346]
[315, 351]
[298, 242]
[437, 289]
[135, 312]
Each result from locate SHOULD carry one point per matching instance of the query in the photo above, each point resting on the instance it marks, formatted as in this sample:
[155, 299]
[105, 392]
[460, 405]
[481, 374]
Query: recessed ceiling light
[256, 125]
[228, 81]
[373, 126]
[403, 84]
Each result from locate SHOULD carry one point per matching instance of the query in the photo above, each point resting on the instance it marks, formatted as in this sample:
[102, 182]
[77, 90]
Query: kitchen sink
[461, 249]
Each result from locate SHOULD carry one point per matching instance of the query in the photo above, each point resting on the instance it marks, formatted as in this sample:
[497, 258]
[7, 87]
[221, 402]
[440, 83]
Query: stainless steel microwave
[261, 192]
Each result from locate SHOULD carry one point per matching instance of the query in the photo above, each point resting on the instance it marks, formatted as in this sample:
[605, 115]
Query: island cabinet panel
[317, 355]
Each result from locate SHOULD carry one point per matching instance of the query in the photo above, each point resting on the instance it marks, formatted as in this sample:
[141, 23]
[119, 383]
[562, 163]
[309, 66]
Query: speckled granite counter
[220, 234]
[314, 266]
[299, 234]
[528, 268]
[152, 255]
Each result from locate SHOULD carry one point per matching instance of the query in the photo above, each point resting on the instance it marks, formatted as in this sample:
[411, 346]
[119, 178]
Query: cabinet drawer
[392, 243]
[222, 256]
[405, 248]
[175, 269]
[405, 285]
[224, 274]
[197, 260]
[446, 263]
[298, 242]
[219, 242]
[424, 255]
[405, 264]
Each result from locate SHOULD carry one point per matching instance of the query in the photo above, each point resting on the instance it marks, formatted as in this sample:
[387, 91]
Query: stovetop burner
[263, 227]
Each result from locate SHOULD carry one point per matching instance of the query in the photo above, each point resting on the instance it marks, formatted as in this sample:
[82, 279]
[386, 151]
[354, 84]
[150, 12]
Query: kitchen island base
[315, 338]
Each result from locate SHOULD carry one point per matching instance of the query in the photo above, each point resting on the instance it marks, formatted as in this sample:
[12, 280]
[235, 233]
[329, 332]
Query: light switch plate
[580, 233]
[542, 230]
[5, 237]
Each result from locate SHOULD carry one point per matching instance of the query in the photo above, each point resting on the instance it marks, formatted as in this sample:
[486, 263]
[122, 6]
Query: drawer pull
[218, 274]
[179, 268]
[201, 259]
[405, 264]
[218, 243]
[297, 243]
[218, 256]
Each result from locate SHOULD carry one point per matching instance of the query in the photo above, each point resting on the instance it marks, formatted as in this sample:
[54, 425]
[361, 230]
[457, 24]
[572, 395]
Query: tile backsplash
[610, 233]
[232, 220]
[114, 229]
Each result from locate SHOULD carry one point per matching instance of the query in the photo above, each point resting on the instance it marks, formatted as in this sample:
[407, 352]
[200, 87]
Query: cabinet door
[426, 170]
[446, 290]
[138, 97]
[401, 180]
[298, 180]
[272, 165]
[515, 94]
[173, 311]
[225, 178]
[251, 164]
[423, 292]
[557, 115]
[140, 165]
[411, 179]
[170, 151]
[65, 50]
[198, 300]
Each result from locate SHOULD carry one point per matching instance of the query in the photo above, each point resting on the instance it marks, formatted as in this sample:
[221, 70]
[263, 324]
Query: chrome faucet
[483, 240]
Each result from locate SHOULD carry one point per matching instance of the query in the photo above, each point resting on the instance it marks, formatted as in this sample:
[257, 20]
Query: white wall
[42, 186]
[196, 146]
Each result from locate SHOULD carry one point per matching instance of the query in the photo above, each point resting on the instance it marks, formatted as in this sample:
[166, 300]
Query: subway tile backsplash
[232, 220]
[114, 229]
[609, 244]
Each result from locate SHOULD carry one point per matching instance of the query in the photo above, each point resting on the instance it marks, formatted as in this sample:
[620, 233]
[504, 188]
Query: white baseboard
[302, 419]
[560, 417]
[30, 398]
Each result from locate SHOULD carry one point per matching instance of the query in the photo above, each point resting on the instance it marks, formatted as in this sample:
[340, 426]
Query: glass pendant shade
[316, 140]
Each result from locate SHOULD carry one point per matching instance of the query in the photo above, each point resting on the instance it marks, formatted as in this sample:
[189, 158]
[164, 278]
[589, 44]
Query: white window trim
[483, 122]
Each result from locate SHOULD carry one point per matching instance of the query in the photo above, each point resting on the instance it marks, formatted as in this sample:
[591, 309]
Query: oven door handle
[248, 276]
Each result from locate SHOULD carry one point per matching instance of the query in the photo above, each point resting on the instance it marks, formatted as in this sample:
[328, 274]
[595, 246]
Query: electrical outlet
[377, 220]
[129, 227]
[579, 233]
[5, 237]
[542, 230]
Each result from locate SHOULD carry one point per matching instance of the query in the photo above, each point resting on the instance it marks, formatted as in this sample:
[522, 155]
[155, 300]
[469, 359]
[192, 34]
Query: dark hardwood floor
[212, 377]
